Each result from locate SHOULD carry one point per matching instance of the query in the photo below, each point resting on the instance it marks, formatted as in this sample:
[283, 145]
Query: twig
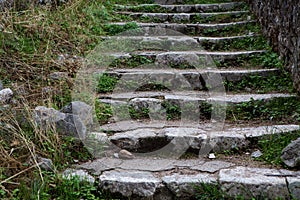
[17, 174]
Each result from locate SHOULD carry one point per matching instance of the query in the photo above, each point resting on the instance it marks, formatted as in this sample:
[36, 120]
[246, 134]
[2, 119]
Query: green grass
[54, 186]
[278, 109]
[272, 146]
[222, 18]
[257, 84]
[248, 43]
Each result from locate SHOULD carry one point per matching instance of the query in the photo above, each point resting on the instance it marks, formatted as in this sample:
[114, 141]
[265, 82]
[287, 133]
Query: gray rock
[177, 59]
[1, 84]
[80, 109]
[212, 166]
[145, 164]
[6, 96]
[193, 137]
[220, 141]
[100, 165]
[257, 181]
[135, 139]
[130, 183]
[290, 155]
[81, 174]
[45, 163]
[294, 187]
[256, 154]
[183, 186]
[58, 76]
[65, 124]
[124, 154]
[181, 17]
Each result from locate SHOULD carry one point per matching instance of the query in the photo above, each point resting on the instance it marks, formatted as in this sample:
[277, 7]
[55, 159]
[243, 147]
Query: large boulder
[80, 109]
[64, 123]
[290, 155]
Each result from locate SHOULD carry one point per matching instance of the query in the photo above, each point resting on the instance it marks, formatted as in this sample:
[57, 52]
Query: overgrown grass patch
[258, 84]
[272, 146]
[276, 109]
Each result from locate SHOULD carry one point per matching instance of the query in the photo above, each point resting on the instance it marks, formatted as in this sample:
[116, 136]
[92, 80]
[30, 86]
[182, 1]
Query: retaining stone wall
[280, 20]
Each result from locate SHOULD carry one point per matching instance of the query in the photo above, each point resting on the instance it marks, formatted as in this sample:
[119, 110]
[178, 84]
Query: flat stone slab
[213, 166]
[129, 183]
[258, 182]
[178, 17]
[206, 138]
[186, 28]
[215, 54]
[175, 39]
[193, 96]
[146, 177]
[193, 76]
[188, 8]
[183, 186]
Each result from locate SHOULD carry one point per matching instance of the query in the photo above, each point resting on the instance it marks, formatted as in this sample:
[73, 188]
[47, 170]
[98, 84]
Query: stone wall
[280, 20]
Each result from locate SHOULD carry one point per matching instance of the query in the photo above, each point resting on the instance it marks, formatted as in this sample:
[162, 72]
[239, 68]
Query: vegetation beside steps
[39, 40]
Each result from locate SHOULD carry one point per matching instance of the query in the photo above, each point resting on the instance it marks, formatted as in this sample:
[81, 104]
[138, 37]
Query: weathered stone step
[148, 140]
[219, 17]
[190, 28]
[182, 38]
[147, 97]
[196, 78]
[187, 59]
[152, 178]
[183, 8]
[182, 43]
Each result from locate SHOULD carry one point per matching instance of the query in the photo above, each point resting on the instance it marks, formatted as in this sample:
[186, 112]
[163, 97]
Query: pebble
[211, 156]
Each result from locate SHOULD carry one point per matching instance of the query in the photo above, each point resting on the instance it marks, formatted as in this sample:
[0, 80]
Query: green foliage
[278, 82]
[106, 83]
[277, 109]
[210, 191]
[132, 62]
[272, 146]
[53, 186]
[103, 112]
[113, 29]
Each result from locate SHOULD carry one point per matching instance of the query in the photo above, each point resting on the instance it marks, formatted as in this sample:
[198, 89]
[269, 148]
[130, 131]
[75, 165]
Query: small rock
[290, 155]
[116, 155]
[58, 76]
[6, 95]
[256, 154]
[124, 154]
[45, 163]
[211, 156]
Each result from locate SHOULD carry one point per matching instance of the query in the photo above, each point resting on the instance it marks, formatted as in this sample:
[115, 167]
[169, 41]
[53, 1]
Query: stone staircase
[164, 105]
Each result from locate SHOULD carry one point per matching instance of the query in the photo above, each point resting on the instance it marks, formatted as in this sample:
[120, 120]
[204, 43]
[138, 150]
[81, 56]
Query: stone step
[184, 8]
[172, 43]
[191, 29]
[154, 178]
[186, 59]
[205, 138]
[193, 105]
[196, 78]
[218, 17]
[135, 97]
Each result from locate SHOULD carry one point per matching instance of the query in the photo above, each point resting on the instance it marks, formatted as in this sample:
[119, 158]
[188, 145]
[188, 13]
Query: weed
[272, 146]
[103, 112]
[277, 109]
[106, 83]
[278, 82]
[205, 191]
